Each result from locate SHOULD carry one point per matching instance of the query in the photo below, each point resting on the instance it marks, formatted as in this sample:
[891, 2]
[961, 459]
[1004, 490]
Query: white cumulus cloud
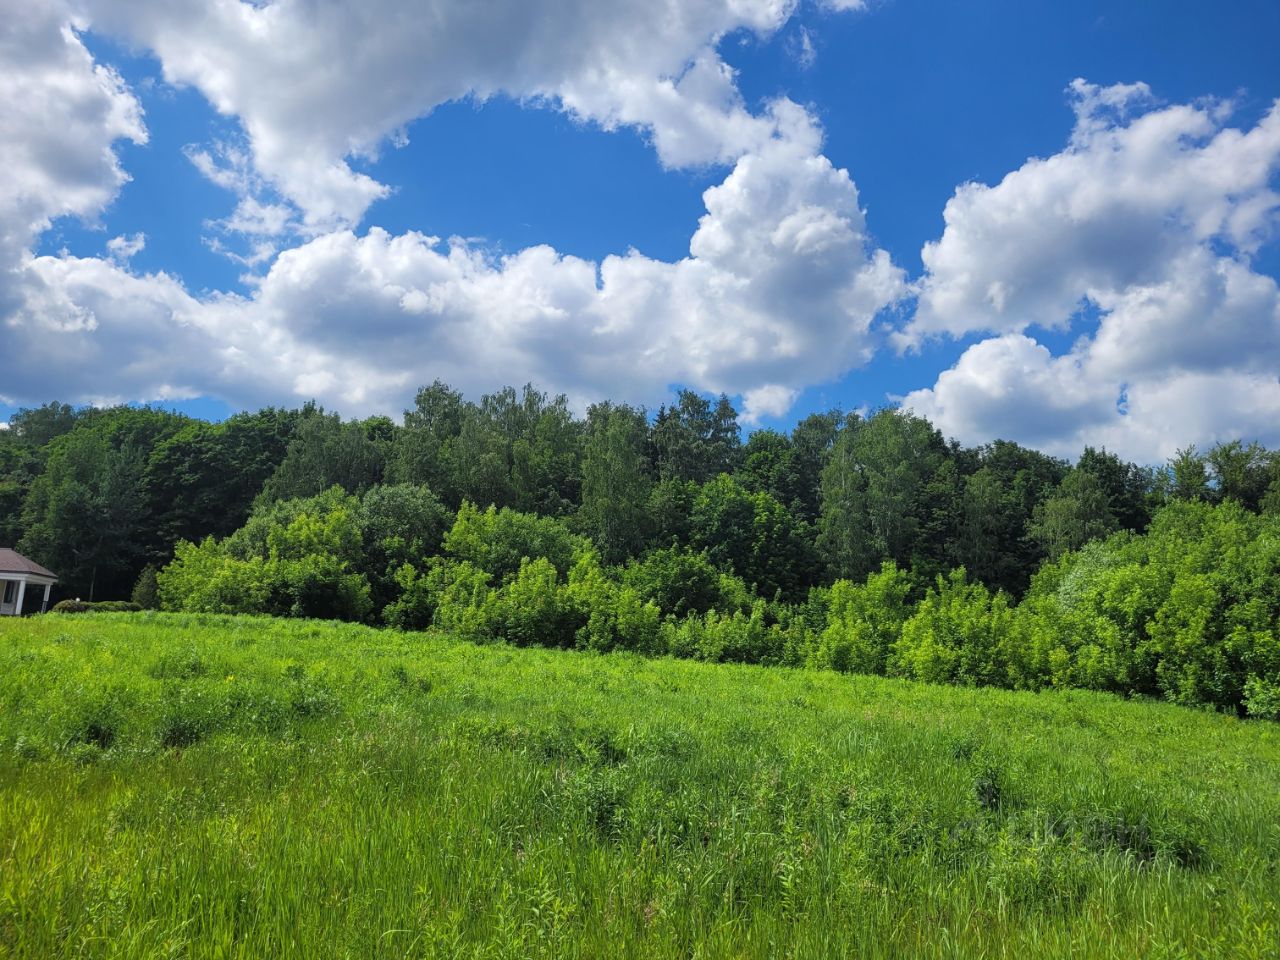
[780, 288]
[1150, 216]
[320, 84]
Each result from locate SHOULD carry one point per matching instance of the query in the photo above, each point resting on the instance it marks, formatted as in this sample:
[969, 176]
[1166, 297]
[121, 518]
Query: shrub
[115, 606]
[735, 637]
[680, 582]
[613, 616]
[960, 632]
[100, 606]
[531, 610]
[146, 592]
[1189, 612]
[498, 541]
[71, 606]
[456, 593]
[863, 622]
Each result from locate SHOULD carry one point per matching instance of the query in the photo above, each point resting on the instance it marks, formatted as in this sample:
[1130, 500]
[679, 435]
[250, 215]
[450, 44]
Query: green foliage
[326, 452]
[71, 606]
[862, 623]
[521, 451]
[555, 515]
[295, 558]
[530, 609]
[613, 616]
[422, 452]
[204, 578]
[877, 492]
[753, 536]
[399, 523]
[1081, 510]
[499, 541]
[1189, 612]
[84, 516]
[1125, 485]
[615, 481]
[739, 637]
[669, 512]
[959, 633]
[694, 440]
[1187, 475]
[1242, 471]
[450, 594]
[183, 784]
[146, 592]
[678, 582]
[98, 606]
[202, 481]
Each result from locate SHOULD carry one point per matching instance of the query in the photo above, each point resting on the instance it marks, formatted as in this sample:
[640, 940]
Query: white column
[45, 604]
[22, 592]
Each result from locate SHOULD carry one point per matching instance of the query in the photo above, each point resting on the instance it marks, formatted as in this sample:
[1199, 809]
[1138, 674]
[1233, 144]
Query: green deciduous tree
[1078, 512]
[615, 481]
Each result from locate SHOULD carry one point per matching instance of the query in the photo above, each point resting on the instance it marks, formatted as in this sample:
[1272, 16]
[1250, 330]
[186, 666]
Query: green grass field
[187, 786]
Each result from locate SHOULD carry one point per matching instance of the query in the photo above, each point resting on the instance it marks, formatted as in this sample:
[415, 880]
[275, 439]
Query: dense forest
[869, 544]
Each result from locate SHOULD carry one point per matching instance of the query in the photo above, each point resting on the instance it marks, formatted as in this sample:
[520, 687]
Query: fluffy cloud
[779, 290]
[1012, 387]
[59, 115]
[1128, 197]
[1149, 216]
[647, 63]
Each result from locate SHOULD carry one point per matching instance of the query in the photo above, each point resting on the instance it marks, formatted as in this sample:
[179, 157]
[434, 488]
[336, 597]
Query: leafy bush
[680, 582]
[146, 593]
[100, 606]
[295, 560]
[498, 541]
[1189, 612]
[863, 622]
[531, 609]
[613, 616]
[960, 633]
[71, 606]
[735, 637]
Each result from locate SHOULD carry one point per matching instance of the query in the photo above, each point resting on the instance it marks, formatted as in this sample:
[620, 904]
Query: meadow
[188, 785]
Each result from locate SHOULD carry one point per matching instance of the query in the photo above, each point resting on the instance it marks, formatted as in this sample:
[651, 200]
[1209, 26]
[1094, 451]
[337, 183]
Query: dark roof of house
[11, 561]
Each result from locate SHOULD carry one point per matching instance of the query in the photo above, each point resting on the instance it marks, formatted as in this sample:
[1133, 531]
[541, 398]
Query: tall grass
[199, 786]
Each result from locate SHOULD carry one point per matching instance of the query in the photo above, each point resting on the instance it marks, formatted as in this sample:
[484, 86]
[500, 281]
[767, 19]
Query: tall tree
[1241, 472]
[1187, 475]
[694, 440]
[615, 481]
[812, 440]
[1080, 511]
[876, 492]
[202, 481]
[36, 426]
[327, 452]
[84, 516]
[844, 530]
[1126, 485]
[754, 536]
[421, 451]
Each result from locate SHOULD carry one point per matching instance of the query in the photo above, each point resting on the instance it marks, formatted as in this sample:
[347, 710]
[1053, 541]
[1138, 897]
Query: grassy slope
[209, 787]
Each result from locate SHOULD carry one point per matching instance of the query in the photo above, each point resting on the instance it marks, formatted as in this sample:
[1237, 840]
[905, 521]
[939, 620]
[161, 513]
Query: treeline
[512, 518]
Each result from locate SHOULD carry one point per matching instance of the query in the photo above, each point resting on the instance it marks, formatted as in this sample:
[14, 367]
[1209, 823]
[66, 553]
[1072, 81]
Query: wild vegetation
[209, 786]
[867, 545]
[248, 775]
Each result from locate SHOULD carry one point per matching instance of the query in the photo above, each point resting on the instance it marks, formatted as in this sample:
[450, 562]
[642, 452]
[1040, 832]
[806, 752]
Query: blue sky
[913, 98]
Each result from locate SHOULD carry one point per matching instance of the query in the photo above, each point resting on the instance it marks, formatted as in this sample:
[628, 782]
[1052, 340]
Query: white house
[21, 579]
